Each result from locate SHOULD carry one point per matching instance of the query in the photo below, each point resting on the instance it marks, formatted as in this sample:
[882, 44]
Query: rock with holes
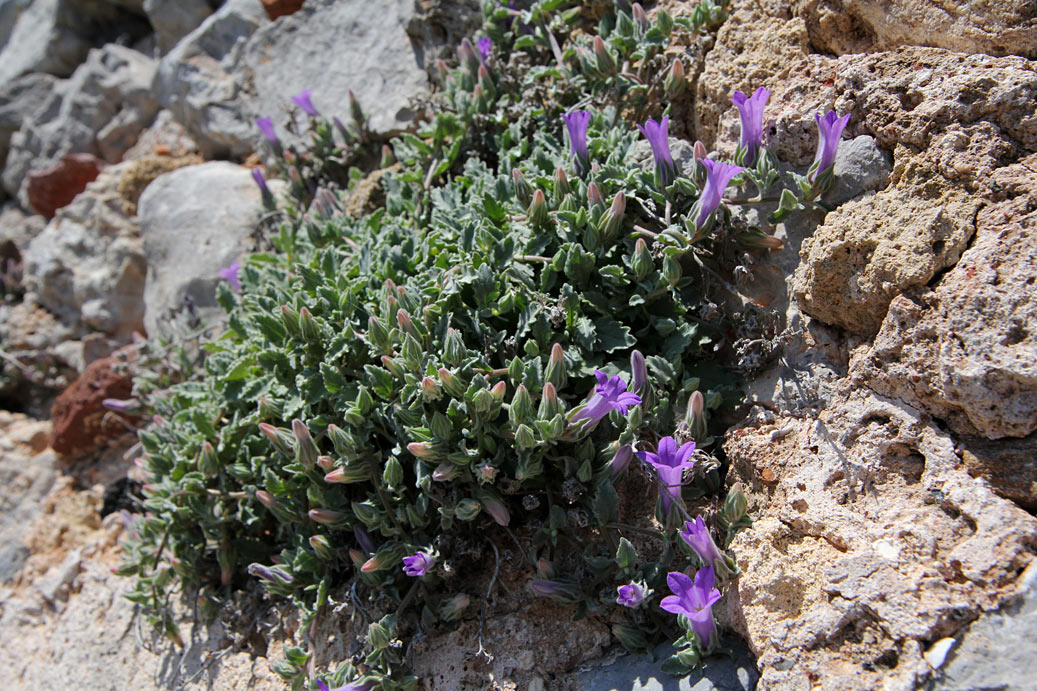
[966, 351]
[1006, 27]
[869, 251]
[870, 540]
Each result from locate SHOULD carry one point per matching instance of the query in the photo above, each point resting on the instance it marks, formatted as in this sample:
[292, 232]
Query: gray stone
[12, 558]
[100, 110]
[26, 480]
[56, 582]
[374, 57]
[735, 672]
[996, 652]
[174, 20]
[18, 228]
[682, 152]
[187, 244]
[86, 266]
[54, 36]
[860, 166]
[19, 99]
[195, 80]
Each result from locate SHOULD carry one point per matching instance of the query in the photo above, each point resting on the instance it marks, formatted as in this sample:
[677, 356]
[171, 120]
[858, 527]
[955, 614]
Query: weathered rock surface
[87, 266]
[860, 166]
[966, 352]
[1006, 27]
[80, 422]
[19, 99]
[195, 81]
[174, 20]
[54, 36]
[18, 227]
[55, 187]
[165, 137]
[27, 472]
[100, 110]
[187, 245]
[726, 672]
[870, 539]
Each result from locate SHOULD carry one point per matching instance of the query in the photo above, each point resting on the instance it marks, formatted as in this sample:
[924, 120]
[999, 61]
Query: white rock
[174, 20]
[186, 244]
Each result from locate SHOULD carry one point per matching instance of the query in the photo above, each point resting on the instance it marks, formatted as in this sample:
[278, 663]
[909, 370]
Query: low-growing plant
[521, 326]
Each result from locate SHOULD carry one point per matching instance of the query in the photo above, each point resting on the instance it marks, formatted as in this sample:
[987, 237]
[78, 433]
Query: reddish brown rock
[52, 188]
[281, 8]
[80, 422]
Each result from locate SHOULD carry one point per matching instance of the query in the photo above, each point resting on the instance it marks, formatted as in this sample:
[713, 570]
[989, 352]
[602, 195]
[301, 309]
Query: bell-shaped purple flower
[659, 140]
[696, 534]
[257, 175]
[230, 275]
[670, 463]
[351, 686]
[577, 124]
[266, 127]
[829, 132]
[418, 564]
[694, 600]
[718, 176]
[304, 102]
[485, 47]
[751, 110]
[610, 394]
[630, 595]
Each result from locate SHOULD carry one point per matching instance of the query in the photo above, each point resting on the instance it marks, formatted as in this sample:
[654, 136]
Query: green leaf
[612, 335]
[606, 503]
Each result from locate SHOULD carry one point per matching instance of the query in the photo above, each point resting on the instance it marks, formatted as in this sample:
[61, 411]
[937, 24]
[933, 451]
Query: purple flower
[694, 600]
[304, 102]
[485, 46]
[119, 405]
[610, 394]
[718, 175]
[829, 132]
[751, 110]
[630, 595]
[272, 574]
[418, 564]
[363, 538]
[655, 133]
[266, 126]
[257, 175]
[351, 686]
[577, 123]
[670, 463]
[696, 534]
[230, 274]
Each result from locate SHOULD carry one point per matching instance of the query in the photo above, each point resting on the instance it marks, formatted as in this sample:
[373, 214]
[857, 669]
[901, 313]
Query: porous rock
[174, 20]
[869, 251]
[80, 422]
[966, 351]
[195, 79]
[100, 110]
[870, 540]
[1005, 27]
[53, 188]
[87, 266]
[187, 244]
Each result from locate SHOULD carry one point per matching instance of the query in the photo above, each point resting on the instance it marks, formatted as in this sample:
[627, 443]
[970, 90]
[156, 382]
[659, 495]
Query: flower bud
[735, 504]
[454, 351]
[392, 475]
[378, 334]
[445, 472]
[269, 409]
[208, 463]
[638, 372]
[603, 59]
[282, 439]
[549, 405]
[290, 319]
[423, 450]
[271, 574]
[566, 593]
[305, 450]
[226, 558]
[322, 547]
[325, 516]
[675, 82]
[377, 636]
[363, 539]
[545, 568]
[611, 221]
[384, 559]
[561, 188]
[486, 82]
[355, 112]
[492, 505]
[326, 463]
[537, 212]
[594, 197]
[265, 498]
[451, 383]
[524, 439]
[523, 192]
[556, 372]
[430, 390]
[388, 156]
[467, 509]
[695, 417]
[307, 326]
[642, 263]
[521, 410]
[620, 461]
[672, 270]
[341, 440]
[640, 18]
[699, 150]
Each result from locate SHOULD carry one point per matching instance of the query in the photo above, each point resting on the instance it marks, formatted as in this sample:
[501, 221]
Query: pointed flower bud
[695, 417]
[658, 138]
[208, 463]
[611, 221]
[266, 128]
[521, 410]
[492, 505]
[392, 474]
[265, 498]
[735, 505]
[430, 390]
[567, 593]
[282, 439]
[270, 409]
[604, 61]
[305, 450]
[420, 449]
[642, 263]
[640, 18]
[620, 461]
[356, 112]
[307, 326]
[549, 405]
[537, 212]
[303, 100]
[675, 82]
[326, 516]
[594, 197]
[326, 463]
[576, 123]
[322, 547]
[562, 188]
[556, 372]
[271, 574]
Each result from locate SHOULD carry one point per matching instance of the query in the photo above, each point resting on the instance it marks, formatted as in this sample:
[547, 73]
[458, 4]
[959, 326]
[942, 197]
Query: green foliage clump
[389, 383]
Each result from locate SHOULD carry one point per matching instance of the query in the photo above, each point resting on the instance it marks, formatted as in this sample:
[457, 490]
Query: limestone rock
[1007, 464]
[869, 251]
[187, 244]
[165, 137]
[18, 228]
[18, 100]
[174, 20]
[870, 540]
[1006, 27]
[54, 36]
[195, 80]
[87, 266]
[53, 188]
[374, 57]
[100, 110]
[27, 472]
[966, 352]
[81, 423]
